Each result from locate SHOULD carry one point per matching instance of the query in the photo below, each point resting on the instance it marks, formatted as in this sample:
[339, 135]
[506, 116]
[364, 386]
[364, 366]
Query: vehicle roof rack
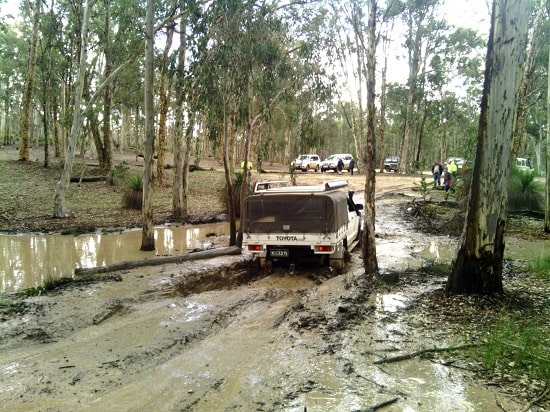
[284, 186]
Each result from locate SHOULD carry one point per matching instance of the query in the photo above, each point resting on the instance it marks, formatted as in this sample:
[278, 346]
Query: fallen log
[159, 260]
[88, 179]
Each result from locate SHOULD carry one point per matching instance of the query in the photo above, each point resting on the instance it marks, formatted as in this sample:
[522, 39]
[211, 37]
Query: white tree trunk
[62, 184]
[148, 234]
[478, 266]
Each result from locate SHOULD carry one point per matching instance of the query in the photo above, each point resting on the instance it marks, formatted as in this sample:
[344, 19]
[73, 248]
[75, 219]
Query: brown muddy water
[29, 260]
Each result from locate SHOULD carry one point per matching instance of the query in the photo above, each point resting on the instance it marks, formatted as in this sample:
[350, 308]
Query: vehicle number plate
[279, 252]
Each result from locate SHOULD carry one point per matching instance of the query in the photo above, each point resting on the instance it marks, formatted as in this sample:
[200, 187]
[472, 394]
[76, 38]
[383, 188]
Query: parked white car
[307, 162]
[331, 162]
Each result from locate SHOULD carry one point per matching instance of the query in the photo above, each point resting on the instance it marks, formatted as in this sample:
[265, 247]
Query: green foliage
[34, 291]
[517, 346]
[118, 173]
[237, 184]
[424, 188]
[133, 195]
[524, 192]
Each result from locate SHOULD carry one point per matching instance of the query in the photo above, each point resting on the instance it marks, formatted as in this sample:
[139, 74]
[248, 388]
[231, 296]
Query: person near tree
[453, 168]
[437, 170]
[448, 180]
[340, 165]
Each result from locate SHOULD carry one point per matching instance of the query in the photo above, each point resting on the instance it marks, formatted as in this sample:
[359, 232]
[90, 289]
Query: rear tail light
[322, 248]
[254, 248]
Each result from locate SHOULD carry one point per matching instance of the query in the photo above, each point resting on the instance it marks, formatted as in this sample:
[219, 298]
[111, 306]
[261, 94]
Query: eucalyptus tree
[250, 66]
[12, 69]
[63, 182]
[26, 104]
[527, 93]
[479, 261]
[148, 234]
[370, 261]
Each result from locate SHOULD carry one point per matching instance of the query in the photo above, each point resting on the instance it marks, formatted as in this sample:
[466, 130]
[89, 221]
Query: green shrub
[133, 195]
[118, 174]
[424, 188]
[524, 192]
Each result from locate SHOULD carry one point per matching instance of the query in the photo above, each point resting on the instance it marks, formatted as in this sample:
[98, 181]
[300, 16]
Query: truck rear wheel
[337, 263]
[266, 264]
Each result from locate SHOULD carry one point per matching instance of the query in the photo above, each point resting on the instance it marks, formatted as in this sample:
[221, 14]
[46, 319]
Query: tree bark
[26, 104]
[478, 265]
[370, 261]
[62, 184]
[148, 234]
[179, 204]
[164, 95]
[547, 209]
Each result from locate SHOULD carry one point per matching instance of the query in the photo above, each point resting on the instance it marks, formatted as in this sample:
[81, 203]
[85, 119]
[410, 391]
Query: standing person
[453, 168]
[340, 165]
[351, 166]
[248, 167]
[437, 169]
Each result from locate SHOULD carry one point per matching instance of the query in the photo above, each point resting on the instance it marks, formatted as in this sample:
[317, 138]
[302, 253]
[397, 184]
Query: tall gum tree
[148, 233]
[26, 104]
[478, 265]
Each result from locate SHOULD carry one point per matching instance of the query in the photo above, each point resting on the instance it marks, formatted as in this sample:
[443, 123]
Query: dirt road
[221, 334]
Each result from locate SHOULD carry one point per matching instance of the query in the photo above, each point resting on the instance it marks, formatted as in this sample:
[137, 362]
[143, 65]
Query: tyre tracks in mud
[92, 340]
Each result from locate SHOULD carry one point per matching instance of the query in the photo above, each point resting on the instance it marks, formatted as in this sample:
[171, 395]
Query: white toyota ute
[296, 224]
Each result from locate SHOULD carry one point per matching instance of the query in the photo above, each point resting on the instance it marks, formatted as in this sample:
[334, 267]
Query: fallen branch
[423, 351]
[88, 179]
[160, 260]
[382, 404]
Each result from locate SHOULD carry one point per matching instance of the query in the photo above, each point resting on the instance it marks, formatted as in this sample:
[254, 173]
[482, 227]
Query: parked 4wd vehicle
[391, 164]
[295, 224]
[331, 162]
[306, 162]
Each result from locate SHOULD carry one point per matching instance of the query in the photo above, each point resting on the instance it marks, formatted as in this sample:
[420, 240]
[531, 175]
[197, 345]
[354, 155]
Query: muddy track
[222, 334]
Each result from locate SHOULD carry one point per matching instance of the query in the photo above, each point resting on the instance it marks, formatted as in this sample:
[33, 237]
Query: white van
[524, 164]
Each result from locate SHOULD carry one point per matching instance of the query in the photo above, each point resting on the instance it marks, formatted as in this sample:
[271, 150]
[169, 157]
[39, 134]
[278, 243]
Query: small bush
[133, 195]
[524, 193]
[118, 174]
[237, 184]
[424, 188]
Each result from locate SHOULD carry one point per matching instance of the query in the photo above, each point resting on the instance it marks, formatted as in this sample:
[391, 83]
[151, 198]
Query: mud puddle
[29, 260]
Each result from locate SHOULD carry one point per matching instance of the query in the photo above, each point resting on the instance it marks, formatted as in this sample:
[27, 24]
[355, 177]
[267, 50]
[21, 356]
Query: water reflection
[28, 260]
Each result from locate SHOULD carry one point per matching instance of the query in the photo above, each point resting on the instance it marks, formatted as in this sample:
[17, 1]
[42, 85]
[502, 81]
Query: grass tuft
[540, 266]
[517, 346]
[133, 195]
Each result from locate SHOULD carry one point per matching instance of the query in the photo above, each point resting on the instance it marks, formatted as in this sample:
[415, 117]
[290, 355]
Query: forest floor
[220, 334]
